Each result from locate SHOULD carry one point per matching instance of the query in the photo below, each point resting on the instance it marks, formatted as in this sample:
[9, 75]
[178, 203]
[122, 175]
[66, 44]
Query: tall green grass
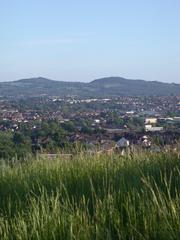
[92, 197]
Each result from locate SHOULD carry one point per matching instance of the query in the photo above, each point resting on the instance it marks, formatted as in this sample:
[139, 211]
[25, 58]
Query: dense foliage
[47, 136]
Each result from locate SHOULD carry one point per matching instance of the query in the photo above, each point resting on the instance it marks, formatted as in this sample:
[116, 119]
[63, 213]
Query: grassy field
[92, 197]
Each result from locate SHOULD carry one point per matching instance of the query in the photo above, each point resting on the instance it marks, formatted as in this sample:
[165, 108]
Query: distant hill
[104, 87]
[123, 86]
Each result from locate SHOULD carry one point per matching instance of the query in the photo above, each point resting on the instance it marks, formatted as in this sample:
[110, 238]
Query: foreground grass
[106, 197]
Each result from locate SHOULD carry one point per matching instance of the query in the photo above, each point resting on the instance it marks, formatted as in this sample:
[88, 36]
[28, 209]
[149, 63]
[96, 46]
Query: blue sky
[76, 40]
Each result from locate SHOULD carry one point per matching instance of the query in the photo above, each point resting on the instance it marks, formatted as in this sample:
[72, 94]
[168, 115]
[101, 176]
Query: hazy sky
[80, 40]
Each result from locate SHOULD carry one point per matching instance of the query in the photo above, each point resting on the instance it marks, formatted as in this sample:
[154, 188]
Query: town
[89, 120]
[49, 125]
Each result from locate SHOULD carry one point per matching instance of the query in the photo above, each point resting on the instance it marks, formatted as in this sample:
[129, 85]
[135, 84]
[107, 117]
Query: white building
[123, 142]
[150, 128]
[150, 120]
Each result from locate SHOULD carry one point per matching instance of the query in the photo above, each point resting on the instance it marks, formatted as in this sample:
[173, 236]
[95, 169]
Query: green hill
[105, 87]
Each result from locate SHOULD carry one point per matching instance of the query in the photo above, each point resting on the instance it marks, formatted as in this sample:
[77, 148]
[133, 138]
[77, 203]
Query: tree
[7, 150]
[22, 145]
[69, 126]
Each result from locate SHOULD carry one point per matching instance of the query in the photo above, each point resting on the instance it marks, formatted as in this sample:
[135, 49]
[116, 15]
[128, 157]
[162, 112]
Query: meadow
[92, 197]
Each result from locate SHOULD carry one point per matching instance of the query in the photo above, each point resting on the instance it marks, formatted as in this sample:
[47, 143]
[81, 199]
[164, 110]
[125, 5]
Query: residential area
[52, 124]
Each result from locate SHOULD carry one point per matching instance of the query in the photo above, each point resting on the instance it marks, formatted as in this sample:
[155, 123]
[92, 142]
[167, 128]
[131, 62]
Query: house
[97, 121]
[150, 128]
[176, 119]
[145, 142]
[122, 143]
[150, 120]
[147, 127]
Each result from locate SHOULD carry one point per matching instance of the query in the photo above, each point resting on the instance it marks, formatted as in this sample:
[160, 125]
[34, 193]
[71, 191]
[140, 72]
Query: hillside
[104, 87]
[122, 86]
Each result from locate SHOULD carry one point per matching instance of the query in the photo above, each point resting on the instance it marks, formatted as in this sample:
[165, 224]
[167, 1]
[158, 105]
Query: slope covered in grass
[92, 197]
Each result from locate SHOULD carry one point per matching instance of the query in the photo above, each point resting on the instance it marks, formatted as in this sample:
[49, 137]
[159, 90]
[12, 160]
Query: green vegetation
[48, 136]
[14, 146]
[92, 197]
